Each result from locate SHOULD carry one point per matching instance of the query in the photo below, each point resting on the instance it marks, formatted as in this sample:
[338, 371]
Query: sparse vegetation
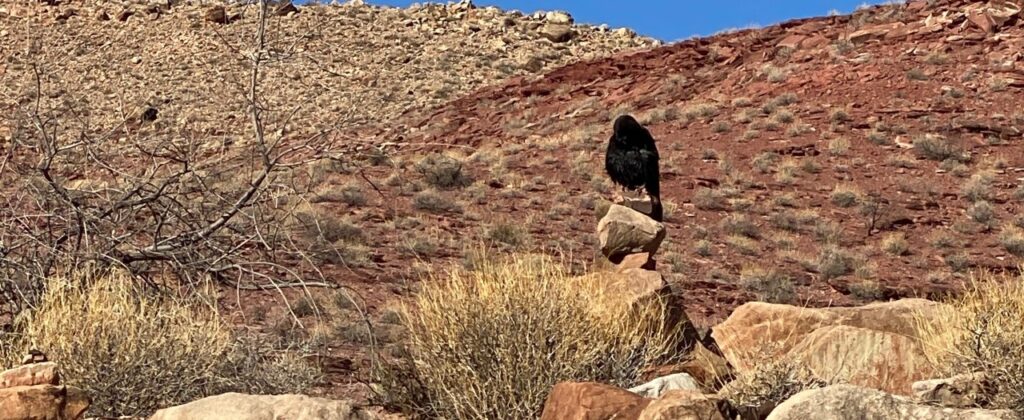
[769, 285]
[1012, 239]
[774, 378]
[896, 244]
[709, 199]
[845, 196]
[937, 148]
[434, 202]
[839, 146]
[834, 262]
[443, 172]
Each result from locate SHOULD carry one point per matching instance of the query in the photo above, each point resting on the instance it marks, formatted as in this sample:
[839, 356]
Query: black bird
[632, 161]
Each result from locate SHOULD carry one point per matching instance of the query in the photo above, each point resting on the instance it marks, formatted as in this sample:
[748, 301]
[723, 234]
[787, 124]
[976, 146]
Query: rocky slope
[822, 161]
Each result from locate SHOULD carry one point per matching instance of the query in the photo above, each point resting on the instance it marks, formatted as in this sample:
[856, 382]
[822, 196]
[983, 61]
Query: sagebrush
[490, 343]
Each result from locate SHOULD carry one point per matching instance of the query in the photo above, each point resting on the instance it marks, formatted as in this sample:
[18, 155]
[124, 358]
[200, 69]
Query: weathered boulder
[849, 402]
[235, 406]
[44, 402]
[592, 401]
[624, 231]
[688, 405]
[557, 33]
[673, 382]
[33, 374]
[876, 359]
[784, 327]
[960, 391]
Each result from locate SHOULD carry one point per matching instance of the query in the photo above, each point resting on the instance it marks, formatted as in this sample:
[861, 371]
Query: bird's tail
[657, 212]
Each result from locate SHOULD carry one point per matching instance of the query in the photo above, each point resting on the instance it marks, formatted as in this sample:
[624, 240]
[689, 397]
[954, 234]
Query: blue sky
[671, 20]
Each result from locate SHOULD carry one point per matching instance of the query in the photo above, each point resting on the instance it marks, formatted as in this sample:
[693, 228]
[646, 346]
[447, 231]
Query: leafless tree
[166, 207]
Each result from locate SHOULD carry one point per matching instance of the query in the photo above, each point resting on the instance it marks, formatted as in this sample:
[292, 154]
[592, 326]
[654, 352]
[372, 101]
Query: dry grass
[937, 148]
[134, 351]
[896, 244]
[845, 196]
[772, 380]
[768, 285]
[1012, 240]
[490, 344]
[982, 331]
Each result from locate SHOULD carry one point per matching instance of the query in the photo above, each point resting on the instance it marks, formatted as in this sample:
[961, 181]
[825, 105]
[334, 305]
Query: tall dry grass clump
[982, 331]
[134, 350]
[490, 343]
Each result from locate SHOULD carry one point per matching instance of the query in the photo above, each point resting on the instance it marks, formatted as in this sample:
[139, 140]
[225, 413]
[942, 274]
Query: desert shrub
[896, 244]
[978, 187]
[937, 148]
[443, 172]
[709, 199]
[835, 262]
[134, 351]
[507, 233]
[845, 196]
[769, 285]
[490, 344]
[772, 380]
[982, 331]
[739, 224]
[839, 146]
[434, 202]
[1012, 240]
[982, 212]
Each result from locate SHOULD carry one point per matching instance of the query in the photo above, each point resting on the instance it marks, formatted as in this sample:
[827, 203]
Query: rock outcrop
[34, 391]
[871, 345]
[849, 402]
[659, 386]
[234, 406]
[592, 401]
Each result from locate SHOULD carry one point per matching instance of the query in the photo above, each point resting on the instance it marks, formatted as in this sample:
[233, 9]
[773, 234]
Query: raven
[632, 161]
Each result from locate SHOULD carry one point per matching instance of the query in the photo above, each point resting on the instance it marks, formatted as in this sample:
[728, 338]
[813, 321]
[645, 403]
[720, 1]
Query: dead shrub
[443, 172]
[982, 331]
[490, 343]
[772, 380]
[134, 351]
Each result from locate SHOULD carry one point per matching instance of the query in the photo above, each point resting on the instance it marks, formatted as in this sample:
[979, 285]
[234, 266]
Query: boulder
[783, 327]
[642, 260]
[850, 402]
[558, 17]
[624, 231]
[860, 356]
[235, 406]
[557, 33]
[28, 375]
[960, 391]
[688, 405]
[659, 386]
[45, 402]
[592, 401]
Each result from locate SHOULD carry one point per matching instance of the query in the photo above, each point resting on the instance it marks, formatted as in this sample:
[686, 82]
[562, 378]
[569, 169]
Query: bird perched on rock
[632, 161]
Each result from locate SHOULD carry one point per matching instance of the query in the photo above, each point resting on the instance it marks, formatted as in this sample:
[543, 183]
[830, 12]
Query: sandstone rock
[46, 402]
[28, 375]
[558, 17]
[623, 231]
[642, 260]
[961, 391]
[557, 33]
[234, 406]
[642, 205]
[688, 405]
[849, 402]
[659, 386]
[784, 327]
[860, 356]
[592, 401]
[637, 288]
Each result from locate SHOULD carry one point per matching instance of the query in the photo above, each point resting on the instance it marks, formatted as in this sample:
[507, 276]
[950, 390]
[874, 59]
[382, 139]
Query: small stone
[136, 60]
[558, 17]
